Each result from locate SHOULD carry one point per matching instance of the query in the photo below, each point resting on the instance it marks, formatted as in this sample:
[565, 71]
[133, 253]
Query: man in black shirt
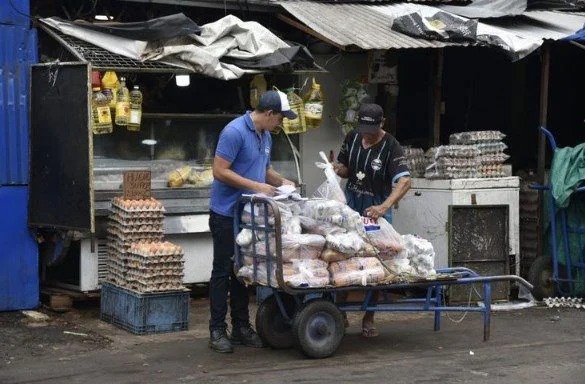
[374, 163]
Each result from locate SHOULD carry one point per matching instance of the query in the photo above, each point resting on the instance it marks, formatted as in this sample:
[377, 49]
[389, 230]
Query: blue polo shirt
[249, 154]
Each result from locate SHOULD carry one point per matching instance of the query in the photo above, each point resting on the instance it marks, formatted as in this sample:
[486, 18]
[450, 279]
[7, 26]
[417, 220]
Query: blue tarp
[577, 36]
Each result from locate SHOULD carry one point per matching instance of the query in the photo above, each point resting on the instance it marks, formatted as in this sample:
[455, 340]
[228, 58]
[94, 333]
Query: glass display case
[169, 142]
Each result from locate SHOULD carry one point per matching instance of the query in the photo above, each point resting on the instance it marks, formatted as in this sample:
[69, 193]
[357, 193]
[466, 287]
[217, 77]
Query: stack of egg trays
[155, 271]
[127, 226]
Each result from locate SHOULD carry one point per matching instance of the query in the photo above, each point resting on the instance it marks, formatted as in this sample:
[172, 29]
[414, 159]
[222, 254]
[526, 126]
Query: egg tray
[139, 205]
[171, 261]
[136, 237]
[153, 277]
[131, 229]
[149, 288]
[137, 215]
[159, 270]
[171, 266]
[136, 220]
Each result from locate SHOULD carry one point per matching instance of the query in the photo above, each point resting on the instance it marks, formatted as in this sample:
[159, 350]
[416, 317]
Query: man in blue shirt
[374, 163]
[241, 165]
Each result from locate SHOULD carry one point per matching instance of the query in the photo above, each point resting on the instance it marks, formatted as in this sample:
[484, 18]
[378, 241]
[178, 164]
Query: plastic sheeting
[483, 9]
[207, 53]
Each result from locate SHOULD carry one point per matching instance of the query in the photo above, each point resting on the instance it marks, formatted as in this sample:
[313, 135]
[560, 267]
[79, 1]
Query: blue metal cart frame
[561, 279]
[312, 319]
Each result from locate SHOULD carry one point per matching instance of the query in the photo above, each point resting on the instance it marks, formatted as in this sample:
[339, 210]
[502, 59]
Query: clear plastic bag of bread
[384, 237]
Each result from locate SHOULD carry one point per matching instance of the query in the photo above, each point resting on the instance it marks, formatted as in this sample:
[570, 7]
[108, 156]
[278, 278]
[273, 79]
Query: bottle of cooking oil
[110, 84]
[135, 109]
[122, 104]
[296, 105]
[314, 105]
[102, 119]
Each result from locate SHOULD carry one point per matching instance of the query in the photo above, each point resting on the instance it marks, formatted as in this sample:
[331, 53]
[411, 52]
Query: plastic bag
[330, 189]
[383, 236]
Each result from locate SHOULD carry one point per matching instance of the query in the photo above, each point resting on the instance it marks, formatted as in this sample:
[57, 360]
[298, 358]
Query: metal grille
[102, 250]
[103, 60]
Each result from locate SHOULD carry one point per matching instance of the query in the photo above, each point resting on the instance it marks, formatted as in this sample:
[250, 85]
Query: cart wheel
[541, 276]
[271, 325]
[318, 329]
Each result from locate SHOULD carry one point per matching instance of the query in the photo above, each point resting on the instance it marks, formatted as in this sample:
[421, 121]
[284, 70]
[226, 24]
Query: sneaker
[245, 335]
[219, 342]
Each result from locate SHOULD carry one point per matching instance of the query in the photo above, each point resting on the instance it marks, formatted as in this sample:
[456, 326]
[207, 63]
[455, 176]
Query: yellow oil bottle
[122, 104]
[135, 118]
[102, 119]
[313, 101]
[297, 125]
[110, 85]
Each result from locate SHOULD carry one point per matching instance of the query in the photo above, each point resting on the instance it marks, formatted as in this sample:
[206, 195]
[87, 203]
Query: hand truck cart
[310, 318]
[554, 275]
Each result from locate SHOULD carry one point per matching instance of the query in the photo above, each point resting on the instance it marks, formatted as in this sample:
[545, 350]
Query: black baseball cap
[277, 102]
[369, 118]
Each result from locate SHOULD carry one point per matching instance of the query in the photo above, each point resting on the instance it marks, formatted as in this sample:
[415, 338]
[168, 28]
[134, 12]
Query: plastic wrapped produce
[334, 212]
[399, 264]
[294, 246]
[383, 237]
[356, 271]
[421, 254]
[298, 273]
[329, 255]
[349, 243]
[310, 225]
[302, 246]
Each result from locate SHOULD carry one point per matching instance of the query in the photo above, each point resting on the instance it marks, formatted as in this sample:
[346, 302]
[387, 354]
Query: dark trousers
[223, 279]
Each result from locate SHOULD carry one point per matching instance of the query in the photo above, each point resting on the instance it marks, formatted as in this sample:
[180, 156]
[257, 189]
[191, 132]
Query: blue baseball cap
[277, 102]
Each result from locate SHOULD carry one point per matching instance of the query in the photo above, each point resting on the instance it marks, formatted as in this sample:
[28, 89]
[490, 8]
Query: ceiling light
[182, 80]
[103, 17]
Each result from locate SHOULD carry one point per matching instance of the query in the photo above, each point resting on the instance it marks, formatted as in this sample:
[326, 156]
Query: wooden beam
[309, 31]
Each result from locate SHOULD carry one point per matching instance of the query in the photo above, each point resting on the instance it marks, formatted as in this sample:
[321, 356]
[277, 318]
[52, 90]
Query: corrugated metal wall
[18, 51]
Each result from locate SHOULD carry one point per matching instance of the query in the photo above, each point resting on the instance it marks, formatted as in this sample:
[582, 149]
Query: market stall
[174, 141]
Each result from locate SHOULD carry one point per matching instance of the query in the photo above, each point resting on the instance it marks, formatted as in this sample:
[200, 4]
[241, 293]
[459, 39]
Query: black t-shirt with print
[372, 170]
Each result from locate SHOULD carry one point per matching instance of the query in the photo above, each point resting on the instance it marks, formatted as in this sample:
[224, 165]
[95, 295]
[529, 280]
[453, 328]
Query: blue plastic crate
[144, 313]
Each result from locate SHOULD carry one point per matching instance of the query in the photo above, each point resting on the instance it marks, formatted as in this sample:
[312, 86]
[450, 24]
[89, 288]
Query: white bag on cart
[330, 189]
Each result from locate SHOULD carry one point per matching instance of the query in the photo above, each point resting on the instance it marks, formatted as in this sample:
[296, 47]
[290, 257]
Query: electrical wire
[471, 290]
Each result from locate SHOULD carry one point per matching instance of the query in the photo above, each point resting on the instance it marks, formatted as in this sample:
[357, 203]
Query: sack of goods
[325, 243]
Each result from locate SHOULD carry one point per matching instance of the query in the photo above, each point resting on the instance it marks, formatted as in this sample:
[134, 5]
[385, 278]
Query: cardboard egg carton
[176, 260]
[131, 229]
[142, 237]
[131, 220]
[158, 287]
[155, 249]
[138, 205]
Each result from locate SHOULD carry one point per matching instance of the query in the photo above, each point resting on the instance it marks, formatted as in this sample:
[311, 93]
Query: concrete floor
[537, 345]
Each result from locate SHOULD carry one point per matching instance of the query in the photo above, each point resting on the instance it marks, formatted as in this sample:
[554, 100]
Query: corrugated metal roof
[552, 25]
[19, 51]
[368, 26]
[359, 25]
